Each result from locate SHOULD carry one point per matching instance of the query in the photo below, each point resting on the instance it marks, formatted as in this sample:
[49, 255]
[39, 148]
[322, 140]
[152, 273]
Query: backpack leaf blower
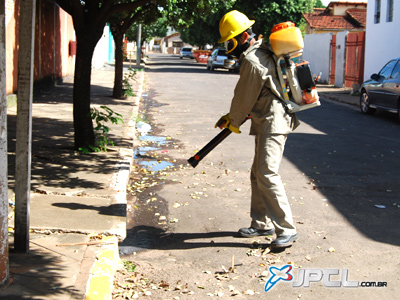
[297, 82]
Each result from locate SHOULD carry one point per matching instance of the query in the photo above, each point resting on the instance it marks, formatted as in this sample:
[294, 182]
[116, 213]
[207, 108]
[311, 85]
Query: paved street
[340, 169]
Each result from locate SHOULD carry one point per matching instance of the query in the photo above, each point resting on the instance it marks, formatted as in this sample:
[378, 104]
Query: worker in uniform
[259, 94]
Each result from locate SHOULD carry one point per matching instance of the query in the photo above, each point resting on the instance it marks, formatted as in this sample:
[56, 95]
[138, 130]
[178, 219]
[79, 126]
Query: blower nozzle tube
[194, 160]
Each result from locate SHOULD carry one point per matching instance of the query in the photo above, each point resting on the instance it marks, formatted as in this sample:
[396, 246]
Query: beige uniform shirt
[258, 92]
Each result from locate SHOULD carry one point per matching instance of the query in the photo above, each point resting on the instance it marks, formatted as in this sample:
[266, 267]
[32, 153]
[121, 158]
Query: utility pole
[24, 124]
[4, 260]
[139, 46]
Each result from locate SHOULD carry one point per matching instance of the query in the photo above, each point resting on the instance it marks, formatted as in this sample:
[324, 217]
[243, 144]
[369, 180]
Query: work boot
[283, 241]
[252, 232]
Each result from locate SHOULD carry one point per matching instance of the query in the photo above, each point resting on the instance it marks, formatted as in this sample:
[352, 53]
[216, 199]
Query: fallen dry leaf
[249, 292]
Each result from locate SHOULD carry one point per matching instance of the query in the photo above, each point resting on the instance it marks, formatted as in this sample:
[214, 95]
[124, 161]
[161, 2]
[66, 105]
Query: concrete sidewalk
[343, 95]
[78, 201]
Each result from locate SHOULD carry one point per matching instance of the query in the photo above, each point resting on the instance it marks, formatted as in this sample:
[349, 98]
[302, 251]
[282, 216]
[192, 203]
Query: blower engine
[297, 82]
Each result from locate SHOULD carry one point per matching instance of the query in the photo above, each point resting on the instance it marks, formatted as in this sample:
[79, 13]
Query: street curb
[101, 277]
[100, 282]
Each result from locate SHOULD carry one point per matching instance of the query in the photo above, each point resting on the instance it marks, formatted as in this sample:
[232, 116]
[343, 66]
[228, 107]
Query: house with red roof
[337, 17]
[334, 42]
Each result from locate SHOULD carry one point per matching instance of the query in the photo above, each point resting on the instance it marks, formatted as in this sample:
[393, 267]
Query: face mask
[236, 49]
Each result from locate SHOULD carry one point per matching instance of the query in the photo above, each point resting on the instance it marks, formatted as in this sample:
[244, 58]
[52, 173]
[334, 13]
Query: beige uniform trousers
[269, 204]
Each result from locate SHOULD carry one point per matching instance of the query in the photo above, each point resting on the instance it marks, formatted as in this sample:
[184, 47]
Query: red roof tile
[359, 15]
[321, 19]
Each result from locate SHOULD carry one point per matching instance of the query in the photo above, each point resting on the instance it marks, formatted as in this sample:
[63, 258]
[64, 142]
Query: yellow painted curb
[100, 284]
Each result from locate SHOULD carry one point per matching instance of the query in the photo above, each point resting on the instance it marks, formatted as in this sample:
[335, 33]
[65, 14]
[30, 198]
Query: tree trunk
[89, 18]
[83, 125]
[119, 65]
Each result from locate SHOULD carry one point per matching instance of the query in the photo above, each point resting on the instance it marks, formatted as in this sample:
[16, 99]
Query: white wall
[100, 55]
[317, 52]
[176, 38]
[383, 39]
[340, 58]
[340, 10]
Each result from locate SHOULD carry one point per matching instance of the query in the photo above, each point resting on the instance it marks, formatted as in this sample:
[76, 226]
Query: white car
[217, 59]
[186, 52]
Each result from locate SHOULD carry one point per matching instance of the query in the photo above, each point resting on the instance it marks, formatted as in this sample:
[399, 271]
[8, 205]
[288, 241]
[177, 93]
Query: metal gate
[333, 60]
[355, 50]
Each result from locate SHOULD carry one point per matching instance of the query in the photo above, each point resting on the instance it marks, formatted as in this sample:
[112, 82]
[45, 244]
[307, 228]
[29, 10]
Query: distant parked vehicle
[217, 59]
[186, 52]
[232, 64]
[382, 91]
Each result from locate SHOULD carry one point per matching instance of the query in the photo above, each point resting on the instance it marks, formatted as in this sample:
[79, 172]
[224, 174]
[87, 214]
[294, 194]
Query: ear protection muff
[232, 44]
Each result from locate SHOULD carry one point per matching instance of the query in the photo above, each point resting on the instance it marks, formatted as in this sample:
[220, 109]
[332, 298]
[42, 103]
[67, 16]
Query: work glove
[234, 129]
[225, 122]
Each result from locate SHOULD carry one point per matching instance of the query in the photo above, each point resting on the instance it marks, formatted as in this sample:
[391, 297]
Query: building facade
[54, 43]
[382, 35]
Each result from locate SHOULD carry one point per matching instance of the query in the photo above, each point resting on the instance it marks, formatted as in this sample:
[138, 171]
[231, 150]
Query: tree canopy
[204, 28]
[159, 28]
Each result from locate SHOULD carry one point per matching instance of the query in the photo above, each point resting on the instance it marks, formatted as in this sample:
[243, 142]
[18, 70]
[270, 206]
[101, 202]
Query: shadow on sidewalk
[55, 163]
[35, 273]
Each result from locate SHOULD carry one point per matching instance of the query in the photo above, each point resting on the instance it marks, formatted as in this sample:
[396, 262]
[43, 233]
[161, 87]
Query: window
[389, 17]
[387, 70]
[396, 71]
[377, 11]
[177, 44]
[222, 52]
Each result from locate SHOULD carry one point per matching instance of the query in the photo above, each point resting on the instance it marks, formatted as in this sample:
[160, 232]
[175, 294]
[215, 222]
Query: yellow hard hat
[232, 24]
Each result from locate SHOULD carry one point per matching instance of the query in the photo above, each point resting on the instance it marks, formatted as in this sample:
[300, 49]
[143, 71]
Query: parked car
[232, 64]
[382, 91]
[217, 59]
[186, 52]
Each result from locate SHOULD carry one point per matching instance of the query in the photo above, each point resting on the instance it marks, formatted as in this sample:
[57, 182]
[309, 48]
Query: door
[333, 60]
[391, 87]
[377, 93]
[355, 45]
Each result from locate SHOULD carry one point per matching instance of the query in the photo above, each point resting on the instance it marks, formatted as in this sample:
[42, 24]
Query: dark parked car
[186, 52]
[382, 91]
